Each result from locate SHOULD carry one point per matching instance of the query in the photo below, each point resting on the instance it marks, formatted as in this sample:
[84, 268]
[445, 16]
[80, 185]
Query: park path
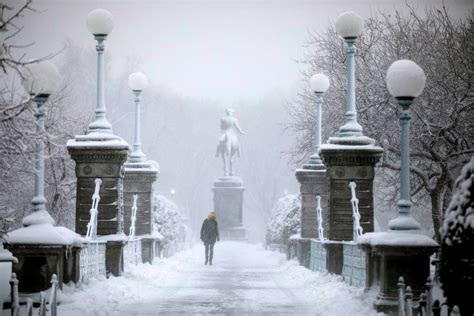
[244, 280]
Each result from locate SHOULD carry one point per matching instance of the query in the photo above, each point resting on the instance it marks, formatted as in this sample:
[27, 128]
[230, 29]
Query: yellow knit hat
[212, 216]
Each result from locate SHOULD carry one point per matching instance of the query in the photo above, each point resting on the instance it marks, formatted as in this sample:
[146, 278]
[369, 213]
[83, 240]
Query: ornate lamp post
[319, 84]
[137, 81]
[349, 25]
[100, 23]
[41, 80]
[405, 81]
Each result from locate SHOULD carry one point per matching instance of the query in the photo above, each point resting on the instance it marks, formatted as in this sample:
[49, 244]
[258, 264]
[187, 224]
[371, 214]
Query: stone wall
[318, 256]
[354, 268]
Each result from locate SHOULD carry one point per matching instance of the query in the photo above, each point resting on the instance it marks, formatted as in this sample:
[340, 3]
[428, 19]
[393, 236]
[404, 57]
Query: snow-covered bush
[457, 247]
[285, 220]
[168, 221]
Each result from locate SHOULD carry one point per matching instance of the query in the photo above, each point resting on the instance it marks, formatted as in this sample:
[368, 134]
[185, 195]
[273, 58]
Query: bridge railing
[93, 254]
[92, 260]
[425, 306]
[52, 304]
[132, 253]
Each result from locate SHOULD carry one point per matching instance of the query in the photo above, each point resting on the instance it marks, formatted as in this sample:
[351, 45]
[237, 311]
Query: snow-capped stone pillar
[100, 153]
[347, 163]
[312, 179]
[395, 254]
[140, 176]
[404, 250]
[41, 247]
[101, 158]
[139, 179]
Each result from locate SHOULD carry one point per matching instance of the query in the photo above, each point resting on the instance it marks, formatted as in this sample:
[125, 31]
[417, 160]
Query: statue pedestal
[228, 204]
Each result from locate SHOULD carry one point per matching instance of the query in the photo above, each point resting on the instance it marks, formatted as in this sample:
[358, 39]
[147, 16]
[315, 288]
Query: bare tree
[17, 130]
[442, 125]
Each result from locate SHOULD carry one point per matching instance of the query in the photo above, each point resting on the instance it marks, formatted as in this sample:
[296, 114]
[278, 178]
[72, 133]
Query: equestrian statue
[229, 143]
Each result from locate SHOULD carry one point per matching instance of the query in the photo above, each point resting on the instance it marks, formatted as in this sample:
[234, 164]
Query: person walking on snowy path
[209, 235]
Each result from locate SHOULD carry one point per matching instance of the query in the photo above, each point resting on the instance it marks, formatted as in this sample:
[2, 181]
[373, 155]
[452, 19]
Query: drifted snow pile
[457, 247]
[245, 276]
[285, 220]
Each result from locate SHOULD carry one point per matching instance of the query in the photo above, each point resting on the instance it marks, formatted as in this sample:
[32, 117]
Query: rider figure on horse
[228, 142]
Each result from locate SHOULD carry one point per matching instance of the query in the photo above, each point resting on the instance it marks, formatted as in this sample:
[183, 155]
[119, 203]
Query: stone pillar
[114, 256]
[228, 204]
[99, 158]
[36, 265]
[312, 179]
[148, 249]
[397, 254]
[139, 179]
[346, 163]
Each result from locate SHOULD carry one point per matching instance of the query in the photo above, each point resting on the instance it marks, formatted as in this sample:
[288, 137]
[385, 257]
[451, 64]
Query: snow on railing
[92, 225]
[358, 231]
[319, 213]
[133, 217]
[92, 260]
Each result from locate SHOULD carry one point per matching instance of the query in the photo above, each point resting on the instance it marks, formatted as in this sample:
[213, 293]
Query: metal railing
[92, 225]
[132, 253]
[53, 299]
[357, 229]
[92, 260]
[425, 306]
[319, 213]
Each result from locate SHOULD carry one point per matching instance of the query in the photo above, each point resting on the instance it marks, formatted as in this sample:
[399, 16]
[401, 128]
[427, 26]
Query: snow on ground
[245, 279]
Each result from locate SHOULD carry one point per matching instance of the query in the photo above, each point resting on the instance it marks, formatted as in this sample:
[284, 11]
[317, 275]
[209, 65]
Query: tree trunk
[436, 213]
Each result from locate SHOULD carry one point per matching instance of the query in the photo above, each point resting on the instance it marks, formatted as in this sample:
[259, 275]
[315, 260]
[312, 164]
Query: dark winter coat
[209, 231]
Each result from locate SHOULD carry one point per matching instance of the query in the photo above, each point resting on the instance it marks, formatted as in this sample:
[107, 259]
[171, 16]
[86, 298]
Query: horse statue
[228, 144]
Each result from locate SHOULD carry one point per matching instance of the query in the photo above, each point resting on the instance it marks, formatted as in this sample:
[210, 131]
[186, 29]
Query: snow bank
[330, 295]
[245, 279]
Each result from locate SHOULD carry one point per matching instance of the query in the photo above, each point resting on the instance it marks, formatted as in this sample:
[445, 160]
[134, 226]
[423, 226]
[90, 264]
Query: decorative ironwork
[358, 231]
[92, 225]
[133, 217]
[132, 253]
[319, 213]
[92, 260]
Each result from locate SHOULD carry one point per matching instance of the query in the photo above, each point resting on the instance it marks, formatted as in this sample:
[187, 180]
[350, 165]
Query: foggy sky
[203, 55]
[223, 51]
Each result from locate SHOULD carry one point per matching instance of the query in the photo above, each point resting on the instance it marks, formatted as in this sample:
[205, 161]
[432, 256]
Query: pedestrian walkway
[244, 280]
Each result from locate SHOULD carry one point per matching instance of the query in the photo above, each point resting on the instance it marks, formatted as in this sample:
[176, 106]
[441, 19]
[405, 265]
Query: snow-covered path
[244, 280]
